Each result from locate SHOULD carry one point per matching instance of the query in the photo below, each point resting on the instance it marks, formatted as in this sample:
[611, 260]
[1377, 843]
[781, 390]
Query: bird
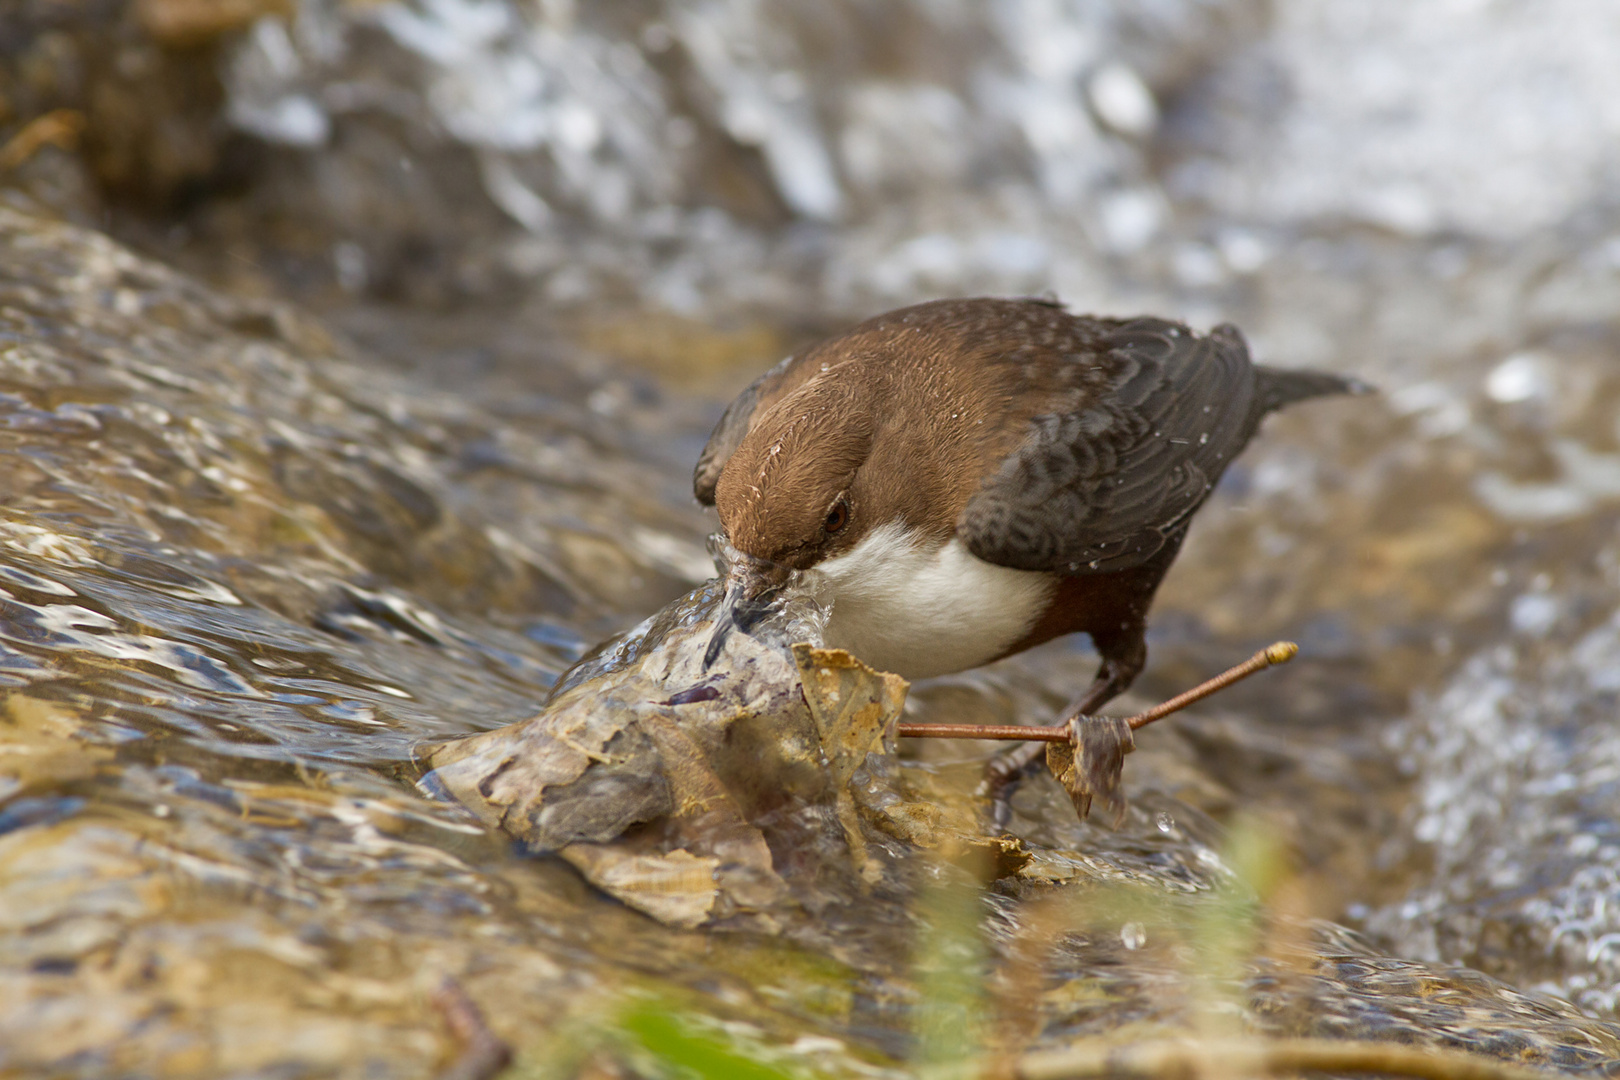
[965, 479]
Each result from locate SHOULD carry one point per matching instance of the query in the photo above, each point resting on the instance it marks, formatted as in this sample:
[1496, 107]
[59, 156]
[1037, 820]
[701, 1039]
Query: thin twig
[483, 1055]
[1279, 653]
[1196, 1059]
[1008, 733]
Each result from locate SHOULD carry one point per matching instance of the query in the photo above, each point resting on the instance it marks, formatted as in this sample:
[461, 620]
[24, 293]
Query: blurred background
[750, 164]
[545, 241]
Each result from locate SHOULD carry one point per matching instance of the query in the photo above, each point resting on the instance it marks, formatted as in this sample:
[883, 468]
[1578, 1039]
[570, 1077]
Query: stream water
[253, 560]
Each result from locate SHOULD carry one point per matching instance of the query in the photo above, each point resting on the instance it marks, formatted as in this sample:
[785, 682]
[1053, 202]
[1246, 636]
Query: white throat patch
[919, 608]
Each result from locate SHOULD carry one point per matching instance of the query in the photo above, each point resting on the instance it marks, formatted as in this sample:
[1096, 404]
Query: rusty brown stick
[1009, 732]
[1278, 653]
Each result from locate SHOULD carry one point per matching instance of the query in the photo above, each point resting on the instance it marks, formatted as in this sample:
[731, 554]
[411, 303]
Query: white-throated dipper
[970, 478]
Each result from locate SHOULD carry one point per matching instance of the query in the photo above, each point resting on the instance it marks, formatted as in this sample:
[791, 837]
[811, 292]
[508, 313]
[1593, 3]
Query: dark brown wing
[1102, 488]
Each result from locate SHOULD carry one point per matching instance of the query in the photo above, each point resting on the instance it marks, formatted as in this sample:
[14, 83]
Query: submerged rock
[722, 796]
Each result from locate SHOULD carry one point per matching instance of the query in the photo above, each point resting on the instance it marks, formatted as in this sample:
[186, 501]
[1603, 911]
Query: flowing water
[252, 565]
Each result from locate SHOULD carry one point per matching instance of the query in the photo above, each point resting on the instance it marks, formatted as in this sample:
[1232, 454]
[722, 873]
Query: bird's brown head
[790, 497]
[791, 493]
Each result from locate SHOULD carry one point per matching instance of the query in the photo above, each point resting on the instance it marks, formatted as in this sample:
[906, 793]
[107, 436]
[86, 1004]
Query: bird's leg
[1123, 657]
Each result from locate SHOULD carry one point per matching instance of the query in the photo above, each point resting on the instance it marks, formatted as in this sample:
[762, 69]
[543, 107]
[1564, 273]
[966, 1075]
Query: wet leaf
[854, 707]
[678, 888]
[1091, 766]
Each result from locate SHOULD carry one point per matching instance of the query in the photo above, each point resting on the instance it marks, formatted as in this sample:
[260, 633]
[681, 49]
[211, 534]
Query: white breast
[918, 607]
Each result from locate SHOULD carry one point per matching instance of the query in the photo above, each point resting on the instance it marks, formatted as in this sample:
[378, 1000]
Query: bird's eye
[837, 517]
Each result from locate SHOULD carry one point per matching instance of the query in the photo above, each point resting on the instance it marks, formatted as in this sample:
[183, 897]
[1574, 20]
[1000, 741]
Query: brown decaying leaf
[1090, 766]
[854, 708]
[654, 791]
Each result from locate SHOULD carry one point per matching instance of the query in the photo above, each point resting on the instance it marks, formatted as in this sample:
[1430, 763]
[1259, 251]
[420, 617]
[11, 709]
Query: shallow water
[248, 569]
[247, 574]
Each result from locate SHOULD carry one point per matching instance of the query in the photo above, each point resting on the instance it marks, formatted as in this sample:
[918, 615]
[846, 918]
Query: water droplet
[1095, 563]
[1164, 822]
[1133, 935]
[1204, 438]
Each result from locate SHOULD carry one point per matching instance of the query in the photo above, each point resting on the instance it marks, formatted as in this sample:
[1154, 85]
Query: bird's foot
[1087, 765]
[1003, 774]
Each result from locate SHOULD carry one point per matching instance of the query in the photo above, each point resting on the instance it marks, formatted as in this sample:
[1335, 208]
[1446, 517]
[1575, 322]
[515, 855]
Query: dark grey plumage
[1102, 489]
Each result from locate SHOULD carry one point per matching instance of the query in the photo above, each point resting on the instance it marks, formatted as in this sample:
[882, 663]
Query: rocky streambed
[260, 567]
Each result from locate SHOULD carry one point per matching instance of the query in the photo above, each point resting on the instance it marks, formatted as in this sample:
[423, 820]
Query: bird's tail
[1276, 387]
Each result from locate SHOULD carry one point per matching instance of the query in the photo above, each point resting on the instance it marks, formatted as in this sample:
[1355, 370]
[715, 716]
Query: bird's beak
[752, 586]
